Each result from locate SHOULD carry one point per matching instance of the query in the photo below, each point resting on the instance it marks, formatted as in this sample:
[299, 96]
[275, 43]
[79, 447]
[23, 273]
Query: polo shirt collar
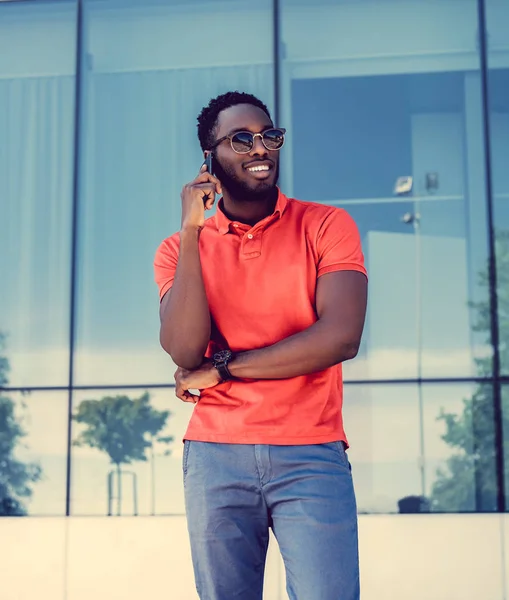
[223, 222]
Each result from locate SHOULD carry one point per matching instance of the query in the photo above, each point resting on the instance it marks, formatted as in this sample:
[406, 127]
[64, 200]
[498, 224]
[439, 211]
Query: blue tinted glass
[147, 76]
[37, 49]
[370, 99]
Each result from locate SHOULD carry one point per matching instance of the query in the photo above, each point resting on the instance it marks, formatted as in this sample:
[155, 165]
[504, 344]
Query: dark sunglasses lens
[242, 142]
[273, 139]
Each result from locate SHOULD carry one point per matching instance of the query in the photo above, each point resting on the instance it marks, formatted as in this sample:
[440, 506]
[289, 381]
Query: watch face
[222, 356]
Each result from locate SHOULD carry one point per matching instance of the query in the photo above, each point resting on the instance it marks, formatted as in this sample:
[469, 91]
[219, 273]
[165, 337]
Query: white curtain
[36, 160]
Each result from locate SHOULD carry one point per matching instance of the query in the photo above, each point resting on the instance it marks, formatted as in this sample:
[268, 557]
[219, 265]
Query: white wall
[403, 557]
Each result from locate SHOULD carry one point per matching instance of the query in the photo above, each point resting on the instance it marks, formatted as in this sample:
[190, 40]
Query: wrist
[220, 362]
[189, 233]
[235, 365]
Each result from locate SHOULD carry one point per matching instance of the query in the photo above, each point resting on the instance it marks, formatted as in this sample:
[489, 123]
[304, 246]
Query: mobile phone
[210, 163]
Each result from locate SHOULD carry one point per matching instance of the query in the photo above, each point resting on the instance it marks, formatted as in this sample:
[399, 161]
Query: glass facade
[400, 116]
[497, 19]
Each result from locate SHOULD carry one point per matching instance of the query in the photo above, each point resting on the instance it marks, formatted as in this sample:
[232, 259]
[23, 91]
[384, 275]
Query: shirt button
[250, 236]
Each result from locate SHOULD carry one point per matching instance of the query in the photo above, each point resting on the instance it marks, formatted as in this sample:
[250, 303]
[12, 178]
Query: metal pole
[110, 492]
[492, 262]
[153, 480]
[135, 494]
[119, 491]
[74, 245]
[418, 310]
[276, 41]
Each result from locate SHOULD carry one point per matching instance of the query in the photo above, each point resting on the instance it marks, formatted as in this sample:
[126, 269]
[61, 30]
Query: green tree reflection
[124, 428]
[468, 480]
[15, 475]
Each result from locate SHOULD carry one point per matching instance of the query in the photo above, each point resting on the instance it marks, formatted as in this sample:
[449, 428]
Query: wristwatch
[220, 361]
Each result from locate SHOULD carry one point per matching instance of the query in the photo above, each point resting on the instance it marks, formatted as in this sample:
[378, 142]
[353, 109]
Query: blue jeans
[235, 493]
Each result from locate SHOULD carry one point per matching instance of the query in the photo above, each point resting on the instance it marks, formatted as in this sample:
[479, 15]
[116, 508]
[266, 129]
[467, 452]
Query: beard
[242, 190]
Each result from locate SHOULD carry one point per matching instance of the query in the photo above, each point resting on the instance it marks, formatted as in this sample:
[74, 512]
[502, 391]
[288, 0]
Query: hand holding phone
[209, 161]
[199, 196]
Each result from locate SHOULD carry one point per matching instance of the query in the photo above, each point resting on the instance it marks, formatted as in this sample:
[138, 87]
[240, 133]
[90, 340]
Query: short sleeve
[339, 244]
[165, 264]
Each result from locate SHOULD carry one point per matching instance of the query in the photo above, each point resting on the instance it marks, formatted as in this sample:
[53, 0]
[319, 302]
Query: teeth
[260, 168]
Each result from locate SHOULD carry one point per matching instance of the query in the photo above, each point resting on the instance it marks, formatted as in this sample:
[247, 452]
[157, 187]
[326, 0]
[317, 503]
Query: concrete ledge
[403, 557]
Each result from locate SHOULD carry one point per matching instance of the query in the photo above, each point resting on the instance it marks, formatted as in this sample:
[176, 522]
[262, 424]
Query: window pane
[420, 449]
[148, 463]
[137, 154]
[33, 451]
[498, 89]
[369, 97]
[382, 426]
[459, 447]
[37, 48]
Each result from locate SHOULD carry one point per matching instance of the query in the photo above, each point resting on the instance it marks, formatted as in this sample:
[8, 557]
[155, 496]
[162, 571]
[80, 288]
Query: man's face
[232, 169]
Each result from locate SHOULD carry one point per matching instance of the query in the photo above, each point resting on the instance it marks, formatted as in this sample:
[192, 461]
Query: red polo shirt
[260, 283]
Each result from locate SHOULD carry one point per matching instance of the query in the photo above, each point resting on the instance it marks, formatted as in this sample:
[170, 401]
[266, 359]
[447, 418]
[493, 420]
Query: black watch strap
[224, 372]
[220, 361]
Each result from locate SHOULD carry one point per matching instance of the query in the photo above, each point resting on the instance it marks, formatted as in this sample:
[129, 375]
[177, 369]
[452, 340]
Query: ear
[206, 153]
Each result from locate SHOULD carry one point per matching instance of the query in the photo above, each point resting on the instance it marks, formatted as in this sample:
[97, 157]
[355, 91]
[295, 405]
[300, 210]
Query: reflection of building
[393, 322]
[89, 189]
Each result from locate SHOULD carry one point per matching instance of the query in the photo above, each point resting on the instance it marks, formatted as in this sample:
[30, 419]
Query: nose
[258, 148]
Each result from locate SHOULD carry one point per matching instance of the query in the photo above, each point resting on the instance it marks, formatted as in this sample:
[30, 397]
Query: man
[260, 305]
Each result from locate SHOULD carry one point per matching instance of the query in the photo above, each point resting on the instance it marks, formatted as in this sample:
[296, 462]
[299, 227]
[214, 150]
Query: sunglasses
[242, 142]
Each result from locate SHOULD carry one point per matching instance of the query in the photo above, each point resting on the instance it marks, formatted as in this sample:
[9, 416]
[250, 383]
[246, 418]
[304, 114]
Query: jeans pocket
[185, 457]
[343, 457]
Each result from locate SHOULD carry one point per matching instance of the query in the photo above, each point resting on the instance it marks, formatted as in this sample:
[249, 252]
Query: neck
[249, 211]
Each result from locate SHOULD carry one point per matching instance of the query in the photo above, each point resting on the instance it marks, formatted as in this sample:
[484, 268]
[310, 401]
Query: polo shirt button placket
[251, 245]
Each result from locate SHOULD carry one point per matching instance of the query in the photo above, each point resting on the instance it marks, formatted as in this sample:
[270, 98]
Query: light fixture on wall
[404, 185]
[411, 219]
[431, 182]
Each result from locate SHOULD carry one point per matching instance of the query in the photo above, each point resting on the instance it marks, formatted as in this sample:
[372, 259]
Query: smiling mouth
[258, 169]
[261, 169]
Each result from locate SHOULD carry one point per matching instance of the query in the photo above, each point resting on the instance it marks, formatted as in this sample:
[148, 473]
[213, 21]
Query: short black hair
[207, 119]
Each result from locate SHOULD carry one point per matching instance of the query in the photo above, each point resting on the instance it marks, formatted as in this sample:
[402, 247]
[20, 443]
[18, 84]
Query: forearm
[308, 351]
[185, 322]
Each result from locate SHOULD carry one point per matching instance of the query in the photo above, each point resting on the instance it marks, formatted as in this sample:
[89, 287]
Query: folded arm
[341, 299]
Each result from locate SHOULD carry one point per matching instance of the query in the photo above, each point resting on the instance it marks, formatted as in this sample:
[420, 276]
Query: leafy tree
[15, 475]
[468, 481]
[124, 428]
